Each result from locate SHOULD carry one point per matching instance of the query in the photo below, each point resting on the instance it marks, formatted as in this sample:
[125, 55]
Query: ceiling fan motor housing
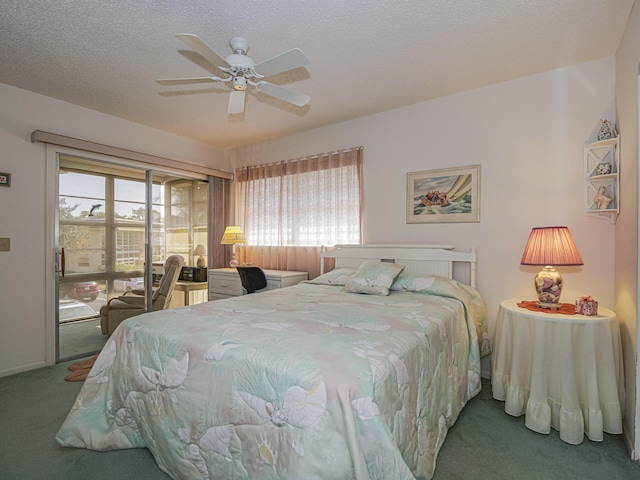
[239, 45]
[240, 61]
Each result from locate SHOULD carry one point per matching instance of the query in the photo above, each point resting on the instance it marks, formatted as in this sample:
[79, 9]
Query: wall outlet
[5, 244]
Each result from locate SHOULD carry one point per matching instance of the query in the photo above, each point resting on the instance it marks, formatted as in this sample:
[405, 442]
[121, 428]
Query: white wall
[527, 135]
[626, 273]
[22, 206]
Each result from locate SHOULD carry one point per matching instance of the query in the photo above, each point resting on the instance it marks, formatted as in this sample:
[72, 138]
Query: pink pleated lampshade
[551, 246]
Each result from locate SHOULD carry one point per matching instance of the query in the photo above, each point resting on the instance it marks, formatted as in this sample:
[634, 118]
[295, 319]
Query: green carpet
[81, 338]
[485, 443]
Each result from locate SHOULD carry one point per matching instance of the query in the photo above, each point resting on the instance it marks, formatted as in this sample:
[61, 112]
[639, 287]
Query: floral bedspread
[305, 382]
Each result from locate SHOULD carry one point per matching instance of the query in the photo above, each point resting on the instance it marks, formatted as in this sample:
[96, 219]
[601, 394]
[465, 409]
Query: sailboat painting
[445, 195]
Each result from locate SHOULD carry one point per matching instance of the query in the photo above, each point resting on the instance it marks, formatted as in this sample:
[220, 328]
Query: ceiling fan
[240, 70]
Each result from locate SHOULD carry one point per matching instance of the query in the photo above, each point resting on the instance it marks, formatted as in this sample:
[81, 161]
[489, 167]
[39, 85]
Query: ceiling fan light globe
[239, 83]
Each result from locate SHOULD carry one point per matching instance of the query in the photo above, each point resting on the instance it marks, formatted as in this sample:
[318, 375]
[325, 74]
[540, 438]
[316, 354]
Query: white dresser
[225, 282]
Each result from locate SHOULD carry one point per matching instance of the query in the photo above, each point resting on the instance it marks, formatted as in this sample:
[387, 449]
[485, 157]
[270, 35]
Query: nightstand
[225, 282]
[560, 371]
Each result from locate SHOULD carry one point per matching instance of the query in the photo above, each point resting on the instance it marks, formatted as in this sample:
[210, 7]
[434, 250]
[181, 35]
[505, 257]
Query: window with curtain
[289, 209]
[186, 218]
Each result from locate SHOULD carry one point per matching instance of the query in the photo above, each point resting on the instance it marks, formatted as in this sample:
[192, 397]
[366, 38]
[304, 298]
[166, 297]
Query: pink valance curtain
[289, 209]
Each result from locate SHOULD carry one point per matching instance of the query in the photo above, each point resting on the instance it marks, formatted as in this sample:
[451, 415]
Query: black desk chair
[252, 278]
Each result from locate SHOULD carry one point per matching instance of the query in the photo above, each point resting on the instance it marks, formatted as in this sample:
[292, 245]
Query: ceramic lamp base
[233, 263]
[548, 283]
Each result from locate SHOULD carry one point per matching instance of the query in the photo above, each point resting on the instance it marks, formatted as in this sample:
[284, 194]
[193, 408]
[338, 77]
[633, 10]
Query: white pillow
[337, 276]
[415, 282]
[373, 278]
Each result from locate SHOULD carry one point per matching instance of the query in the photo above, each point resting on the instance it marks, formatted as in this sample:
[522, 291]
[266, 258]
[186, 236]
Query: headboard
[430, 259]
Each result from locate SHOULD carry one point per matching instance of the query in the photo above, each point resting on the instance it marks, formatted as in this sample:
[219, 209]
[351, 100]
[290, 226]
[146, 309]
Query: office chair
[252, 278]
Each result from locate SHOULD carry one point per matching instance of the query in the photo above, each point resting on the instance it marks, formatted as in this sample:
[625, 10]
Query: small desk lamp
[200, 250]
[233, 235]
[550, 246]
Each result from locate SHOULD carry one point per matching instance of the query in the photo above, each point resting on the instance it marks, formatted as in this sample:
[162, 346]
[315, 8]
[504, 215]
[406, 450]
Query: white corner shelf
[602, 185]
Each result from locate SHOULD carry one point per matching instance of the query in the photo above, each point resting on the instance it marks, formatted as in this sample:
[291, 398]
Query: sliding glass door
[82, 260]
[102, 240]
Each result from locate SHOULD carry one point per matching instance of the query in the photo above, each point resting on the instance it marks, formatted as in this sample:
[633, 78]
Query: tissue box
[586, 306]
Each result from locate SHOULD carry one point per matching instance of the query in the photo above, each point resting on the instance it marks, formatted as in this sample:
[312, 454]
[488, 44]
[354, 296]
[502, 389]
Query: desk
[225, 282]
[182, 293]
[561, 371]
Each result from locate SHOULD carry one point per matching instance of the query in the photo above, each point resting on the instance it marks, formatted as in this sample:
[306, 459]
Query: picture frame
[5, 179]
[447, 195]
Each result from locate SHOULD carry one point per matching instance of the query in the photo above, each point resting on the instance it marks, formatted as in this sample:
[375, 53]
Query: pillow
[413, 282]
[373, 277]
[337, 276]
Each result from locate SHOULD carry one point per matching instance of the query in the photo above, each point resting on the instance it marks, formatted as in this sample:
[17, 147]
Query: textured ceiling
[366, 56]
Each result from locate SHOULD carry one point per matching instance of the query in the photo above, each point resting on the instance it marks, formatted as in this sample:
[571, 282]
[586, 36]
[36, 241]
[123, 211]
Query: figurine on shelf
[603, 168]
[602, 199]
[607, 130]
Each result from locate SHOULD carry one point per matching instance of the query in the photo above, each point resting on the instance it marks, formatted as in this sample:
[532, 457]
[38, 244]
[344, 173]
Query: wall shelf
[602, 180]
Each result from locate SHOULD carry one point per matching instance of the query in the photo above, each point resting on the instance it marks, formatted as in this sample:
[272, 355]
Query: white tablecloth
[561, 371]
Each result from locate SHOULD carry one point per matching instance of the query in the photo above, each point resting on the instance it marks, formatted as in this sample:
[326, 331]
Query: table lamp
[233, 235]
[550, 246]
[200, 250]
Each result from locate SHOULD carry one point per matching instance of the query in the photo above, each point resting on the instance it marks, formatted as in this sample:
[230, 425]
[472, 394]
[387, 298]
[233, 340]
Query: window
[305, 202]
[102, 218]
[187, 211]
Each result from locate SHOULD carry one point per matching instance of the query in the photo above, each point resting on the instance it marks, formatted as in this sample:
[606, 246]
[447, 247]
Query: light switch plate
[5, 244]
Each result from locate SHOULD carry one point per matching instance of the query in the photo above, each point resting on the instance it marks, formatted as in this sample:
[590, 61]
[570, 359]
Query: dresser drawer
[225, 285]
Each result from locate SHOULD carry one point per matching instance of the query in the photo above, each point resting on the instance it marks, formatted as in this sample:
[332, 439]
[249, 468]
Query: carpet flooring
[81, 338]
[485, 442]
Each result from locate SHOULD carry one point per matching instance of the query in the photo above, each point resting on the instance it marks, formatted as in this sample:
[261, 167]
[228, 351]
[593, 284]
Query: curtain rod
[318, 155]
[151, 160]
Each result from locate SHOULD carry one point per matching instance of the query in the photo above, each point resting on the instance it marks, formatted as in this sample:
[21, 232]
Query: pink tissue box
[586, 307]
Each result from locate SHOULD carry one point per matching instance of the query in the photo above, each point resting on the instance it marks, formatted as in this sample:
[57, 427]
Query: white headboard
[429, 259]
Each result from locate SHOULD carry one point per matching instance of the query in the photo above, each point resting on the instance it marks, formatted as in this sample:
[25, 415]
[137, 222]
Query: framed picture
[5, 179]
[444, 196]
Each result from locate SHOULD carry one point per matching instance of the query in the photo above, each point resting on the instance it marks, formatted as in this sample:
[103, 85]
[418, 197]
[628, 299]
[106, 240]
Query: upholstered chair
[133, 303]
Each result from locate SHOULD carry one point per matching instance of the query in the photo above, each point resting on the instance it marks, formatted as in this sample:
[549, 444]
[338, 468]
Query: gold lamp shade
[232, 235]
[550, 247]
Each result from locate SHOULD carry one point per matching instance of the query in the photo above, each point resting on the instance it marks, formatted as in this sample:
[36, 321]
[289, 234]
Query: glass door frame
[53, 152]
[109, 246]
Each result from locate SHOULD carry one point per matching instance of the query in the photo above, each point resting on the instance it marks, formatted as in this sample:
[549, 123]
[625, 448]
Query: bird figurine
[94, 208]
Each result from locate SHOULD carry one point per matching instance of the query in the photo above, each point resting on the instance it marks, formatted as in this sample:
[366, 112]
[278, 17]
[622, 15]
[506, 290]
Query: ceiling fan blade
[203, 49]
[281, 63]
[236, 102]
[186, 81]
[299, 99]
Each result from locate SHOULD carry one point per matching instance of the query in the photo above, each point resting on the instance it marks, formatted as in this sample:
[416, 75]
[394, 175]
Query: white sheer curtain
[289, 209]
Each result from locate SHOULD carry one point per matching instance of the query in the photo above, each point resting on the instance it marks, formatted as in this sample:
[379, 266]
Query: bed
[357, 374]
